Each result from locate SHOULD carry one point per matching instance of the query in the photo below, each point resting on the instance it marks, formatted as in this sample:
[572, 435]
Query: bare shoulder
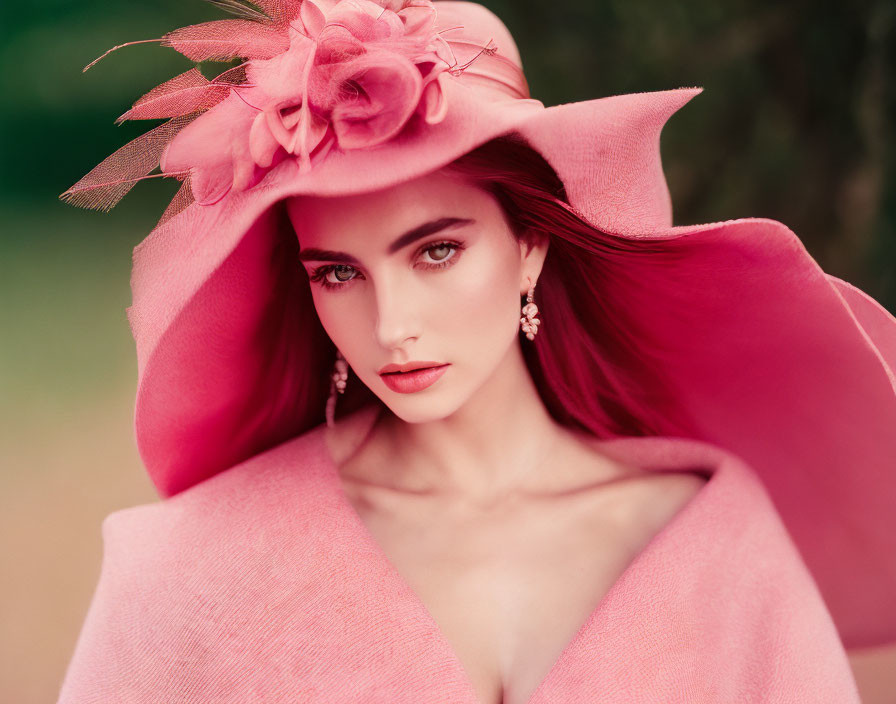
[669, 493]
[589, 463]
[655, 496]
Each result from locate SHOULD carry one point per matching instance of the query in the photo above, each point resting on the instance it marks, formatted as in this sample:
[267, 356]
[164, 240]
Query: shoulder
[274, 490]
[660, 476]
[643, 463]
[645, 494]
[198, 580]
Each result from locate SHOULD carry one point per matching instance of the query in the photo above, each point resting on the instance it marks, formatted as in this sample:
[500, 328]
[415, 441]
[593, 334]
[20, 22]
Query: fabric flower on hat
[353, 75]
[320, 74]
[357, 66]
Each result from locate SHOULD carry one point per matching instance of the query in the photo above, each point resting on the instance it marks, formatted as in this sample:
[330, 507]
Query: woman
[489, 507]
[627, 474]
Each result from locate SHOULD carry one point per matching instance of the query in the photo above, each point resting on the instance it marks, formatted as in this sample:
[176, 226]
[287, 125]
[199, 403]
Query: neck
[489, 447]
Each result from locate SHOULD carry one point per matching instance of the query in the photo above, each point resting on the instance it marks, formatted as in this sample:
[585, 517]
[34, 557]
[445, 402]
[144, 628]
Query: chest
[510, 588]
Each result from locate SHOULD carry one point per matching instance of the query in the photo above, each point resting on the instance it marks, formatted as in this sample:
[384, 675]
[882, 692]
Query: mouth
[408, 367]
[413, 380]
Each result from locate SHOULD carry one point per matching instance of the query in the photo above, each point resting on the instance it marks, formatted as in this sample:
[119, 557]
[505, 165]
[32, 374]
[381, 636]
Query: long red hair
[591, 364]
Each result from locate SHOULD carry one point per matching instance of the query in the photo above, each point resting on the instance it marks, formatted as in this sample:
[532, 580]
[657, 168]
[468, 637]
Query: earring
[529, 323]
[338, 378]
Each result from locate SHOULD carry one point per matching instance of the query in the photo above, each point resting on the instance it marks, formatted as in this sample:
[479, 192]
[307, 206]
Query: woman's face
[425, 271]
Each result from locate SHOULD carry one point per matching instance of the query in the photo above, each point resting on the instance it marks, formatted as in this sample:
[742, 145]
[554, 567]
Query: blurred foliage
[795, 122]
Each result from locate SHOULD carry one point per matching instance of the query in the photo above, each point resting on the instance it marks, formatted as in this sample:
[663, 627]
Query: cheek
[484, 300]
[337, 320]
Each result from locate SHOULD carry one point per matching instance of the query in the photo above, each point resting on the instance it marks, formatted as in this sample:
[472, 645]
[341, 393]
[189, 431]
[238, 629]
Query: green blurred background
[795, 123]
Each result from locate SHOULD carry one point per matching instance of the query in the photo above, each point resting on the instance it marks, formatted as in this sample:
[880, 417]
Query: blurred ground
[67, 455]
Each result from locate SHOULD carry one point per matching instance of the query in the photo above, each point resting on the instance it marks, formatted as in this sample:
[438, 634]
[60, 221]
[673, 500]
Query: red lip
[413, 381]
[407, 367]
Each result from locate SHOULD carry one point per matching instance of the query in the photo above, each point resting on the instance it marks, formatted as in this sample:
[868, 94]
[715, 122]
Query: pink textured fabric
[262, 584]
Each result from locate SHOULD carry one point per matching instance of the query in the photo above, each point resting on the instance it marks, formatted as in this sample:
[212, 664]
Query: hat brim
[773, 359]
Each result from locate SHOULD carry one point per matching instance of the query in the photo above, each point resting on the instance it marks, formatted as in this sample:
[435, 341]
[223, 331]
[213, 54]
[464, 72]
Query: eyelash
[320, 273]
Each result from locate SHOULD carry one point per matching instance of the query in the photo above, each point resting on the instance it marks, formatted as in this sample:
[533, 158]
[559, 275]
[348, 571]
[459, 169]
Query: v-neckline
[616, 448]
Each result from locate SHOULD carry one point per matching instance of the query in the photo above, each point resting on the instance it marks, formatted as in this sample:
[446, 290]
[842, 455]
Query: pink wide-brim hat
[770, 357]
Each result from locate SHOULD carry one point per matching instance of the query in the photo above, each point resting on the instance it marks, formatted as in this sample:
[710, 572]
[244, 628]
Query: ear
[533, 250]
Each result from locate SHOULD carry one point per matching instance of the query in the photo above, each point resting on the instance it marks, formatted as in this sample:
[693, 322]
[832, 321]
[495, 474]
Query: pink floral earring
[338, 378]
[529, 323]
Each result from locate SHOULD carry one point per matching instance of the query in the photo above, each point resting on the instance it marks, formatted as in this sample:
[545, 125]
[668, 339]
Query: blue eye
[320, 273]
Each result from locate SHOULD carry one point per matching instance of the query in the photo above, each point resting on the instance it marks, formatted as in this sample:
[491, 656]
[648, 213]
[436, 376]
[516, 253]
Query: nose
[397, 313]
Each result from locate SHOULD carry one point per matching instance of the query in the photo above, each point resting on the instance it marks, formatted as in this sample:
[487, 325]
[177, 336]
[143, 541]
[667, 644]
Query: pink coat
[262, 584]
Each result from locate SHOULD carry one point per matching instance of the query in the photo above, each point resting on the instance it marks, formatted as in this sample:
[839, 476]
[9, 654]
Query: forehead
[318, 220]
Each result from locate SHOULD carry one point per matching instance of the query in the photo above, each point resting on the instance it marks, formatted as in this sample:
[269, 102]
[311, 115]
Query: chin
[420, 407]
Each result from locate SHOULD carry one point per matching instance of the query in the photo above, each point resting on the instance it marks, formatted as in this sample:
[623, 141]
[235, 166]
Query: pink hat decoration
[318, 74]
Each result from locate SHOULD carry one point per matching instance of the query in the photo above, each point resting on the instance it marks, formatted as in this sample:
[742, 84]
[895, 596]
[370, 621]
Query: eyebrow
[409, 237]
